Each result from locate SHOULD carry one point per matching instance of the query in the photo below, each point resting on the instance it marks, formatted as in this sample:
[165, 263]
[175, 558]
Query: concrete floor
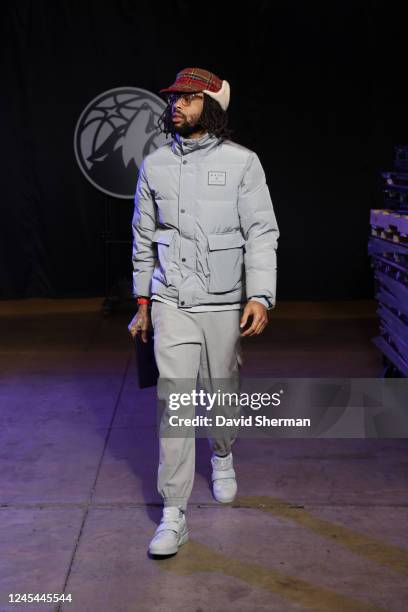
[317, 524]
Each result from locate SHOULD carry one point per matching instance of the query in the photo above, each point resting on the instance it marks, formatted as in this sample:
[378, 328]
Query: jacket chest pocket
[165, 239]
[225, 261]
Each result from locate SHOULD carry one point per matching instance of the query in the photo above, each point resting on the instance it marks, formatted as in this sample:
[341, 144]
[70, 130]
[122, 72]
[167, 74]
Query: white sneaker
[223, 478]
[171, 533]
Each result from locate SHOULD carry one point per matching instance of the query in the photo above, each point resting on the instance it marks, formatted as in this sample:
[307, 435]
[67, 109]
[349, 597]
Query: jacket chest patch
[216, 177]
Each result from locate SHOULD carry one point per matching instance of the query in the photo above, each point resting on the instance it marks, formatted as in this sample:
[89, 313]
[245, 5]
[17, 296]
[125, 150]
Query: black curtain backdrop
[317, 90]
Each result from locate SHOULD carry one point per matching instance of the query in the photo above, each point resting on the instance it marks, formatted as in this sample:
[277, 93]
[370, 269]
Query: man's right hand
[141, 322]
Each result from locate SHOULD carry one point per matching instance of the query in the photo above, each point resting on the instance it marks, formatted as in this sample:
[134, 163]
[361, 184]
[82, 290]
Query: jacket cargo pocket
[225, 261]
[165, 248]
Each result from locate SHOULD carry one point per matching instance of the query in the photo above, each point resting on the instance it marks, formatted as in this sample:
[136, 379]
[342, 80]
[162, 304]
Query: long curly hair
[213, 119]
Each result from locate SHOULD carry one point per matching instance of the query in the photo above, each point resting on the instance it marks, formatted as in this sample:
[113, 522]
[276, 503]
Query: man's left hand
[259, 318]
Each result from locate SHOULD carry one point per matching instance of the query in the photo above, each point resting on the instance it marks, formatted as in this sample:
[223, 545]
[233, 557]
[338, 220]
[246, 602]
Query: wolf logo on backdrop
[115, 131]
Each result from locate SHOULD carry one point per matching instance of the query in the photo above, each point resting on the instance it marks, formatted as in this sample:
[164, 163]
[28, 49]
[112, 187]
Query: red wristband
[141, 300]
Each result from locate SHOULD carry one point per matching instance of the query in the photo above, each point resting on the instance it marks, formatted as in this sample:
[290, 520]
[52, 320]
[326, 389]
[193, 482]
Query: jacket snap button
[183, 259]
[182, 210]
[182, 302]
[184, 162]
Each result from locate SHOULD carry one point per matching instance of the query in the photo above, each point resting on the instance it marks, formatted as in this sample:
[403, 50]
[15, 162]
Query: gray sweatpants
[201, 347]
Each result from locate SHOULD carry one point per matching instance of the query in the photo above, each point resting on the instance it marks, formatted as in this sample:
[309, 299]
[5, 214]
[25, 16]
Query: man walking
[204, 264]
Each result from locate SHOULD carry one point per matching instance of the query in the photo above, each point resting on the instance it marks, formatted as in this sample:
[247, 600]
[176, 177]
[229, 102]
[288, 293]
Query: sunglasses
[186, 99]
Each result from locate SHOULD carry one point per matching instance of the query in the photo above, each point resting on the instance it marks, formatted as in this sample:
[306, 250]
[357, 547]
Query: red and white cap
[198, 79]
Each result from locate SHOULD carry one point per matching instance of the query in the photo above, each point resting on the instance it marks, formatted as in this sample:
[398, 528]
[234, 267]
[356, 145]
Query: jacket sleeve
[143, 227]
[261, 232]
[263, 300]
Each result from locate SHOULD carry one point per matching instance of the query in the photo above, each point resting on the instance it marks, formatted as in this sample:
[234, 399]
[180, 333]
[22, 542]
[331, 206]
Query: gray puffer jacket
[204, 227]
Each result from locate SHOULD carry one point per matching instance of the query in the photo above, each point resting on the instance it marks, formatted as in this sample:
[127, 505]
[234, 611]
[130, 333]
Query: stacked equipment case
[388, 251]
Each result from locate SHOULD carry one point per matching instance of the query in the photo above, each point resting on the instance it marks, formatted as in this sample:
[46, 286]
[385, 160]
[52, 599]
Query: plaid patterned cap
[198, 79]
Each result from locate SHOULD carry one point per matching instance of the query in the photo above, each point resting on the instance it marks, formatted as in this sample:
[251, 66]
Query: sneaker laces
[222, 463]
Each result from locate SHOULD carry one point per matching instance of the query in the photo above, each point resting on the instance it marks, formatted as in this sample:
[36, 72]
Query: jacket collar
[183, 146]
